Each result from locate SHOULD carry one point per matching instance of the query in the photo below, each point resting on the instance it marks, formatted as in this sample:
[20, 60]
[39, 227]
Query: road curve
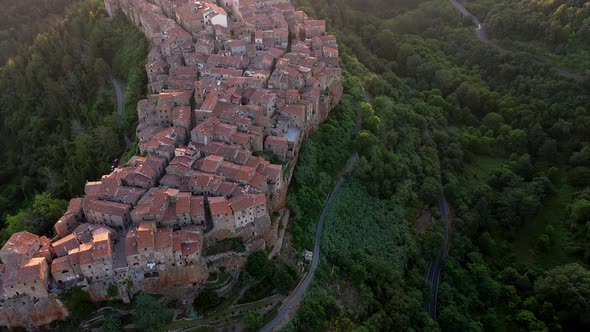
[292, 302]
[434, 268]
[119, 94]
[482, 36]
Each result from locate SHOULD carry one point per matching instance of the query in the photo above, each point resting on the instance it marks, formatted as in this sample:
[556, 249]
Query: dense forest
[503, 138]
[557, 28]
[21, 21]
[59, 124]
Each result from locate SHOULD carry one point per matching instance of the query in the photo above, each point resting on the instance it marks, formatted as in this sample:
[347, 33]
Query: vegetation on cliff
[59, 123]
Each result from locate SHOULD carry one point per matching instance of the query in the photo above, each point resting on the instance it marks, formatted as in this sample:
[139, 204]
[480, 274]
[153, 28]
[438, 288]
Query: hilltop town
[234, 87]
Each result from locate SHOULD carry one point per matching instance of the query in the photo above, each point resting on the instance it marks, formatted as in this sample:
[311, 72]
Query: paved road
[119, 94]
[434, 268]
[292, 302]
[482, 36]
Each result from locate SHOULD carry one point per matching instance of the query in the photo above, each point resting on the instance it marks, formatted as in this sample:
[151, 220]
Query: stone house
[277, 146]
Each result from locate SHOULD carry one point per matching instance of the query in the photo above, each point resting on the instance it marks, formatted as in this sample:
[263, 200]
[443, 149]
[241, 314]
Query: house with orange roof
[197, 210]
[295, 114]
[204, 184]
[277, 146]
[20, 247]
[70, 219]
[221, 213]
[187, 245]
[247, 208]
[62, 246]
[113, 214]
[62, 272]
[32, 279]
[163, 246]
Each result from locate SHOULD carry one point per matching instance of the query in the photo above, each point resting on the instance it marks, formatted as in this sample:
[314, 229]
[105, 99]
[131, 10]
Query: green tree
[112, 323]
[430, 191]
[113, 291]
[22, 221]
[206, 299]
[567, 287]
[493, 121]
[543, 243]
[78, 302]
[258, 265]
[253, 320]
[527, 320]
[282, 280]
[580, 210]
[149, 314]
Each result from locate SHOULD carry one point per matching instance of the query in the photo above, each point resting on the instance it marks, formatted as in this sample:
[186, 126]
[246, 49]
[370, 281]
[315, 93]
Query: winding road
[119, 94]
[292, 301]
[482, 36]
[434, 268]
[290, 304]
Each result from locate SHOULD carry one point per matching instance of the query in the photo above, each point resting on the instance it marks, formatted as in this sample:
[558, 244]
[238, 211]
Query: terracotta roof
[20, 242]
[102, 245]
[273, 171]
[297, 110]
[236, 172]
[176, 244]
[224, 129]
[183, 203]
[74, 256]
[219, 206]
[276, 141]
[86, 254]
[145, 235]
[163, 238]
[211, 164]
[75, 206]
[240, 203]
[258, 181]
[197, 206]
[62, 246]
[32, 270]
[227, 188]
[159, 204]
[190, 240]
[109, 208]
[60, 264]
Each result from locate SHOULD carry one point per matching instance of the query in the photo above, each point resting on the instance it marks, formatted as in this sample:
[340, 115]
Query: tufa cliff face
[23, 311]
